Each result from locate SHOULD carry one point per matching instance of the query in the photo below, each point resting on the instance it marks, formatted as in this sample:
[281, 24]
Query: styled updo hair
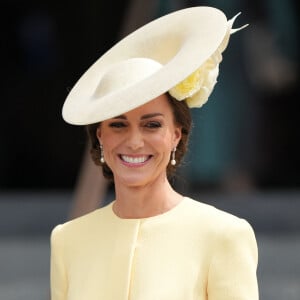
[182, 117]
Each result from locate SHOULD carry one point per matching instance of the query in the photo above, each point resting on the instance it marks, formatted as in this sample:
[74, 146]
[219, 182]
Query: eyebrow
[147, 116]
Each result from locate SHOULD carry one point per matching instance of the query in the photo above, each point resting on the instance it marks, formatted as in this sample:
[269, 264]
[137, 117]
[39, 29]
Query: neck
[146, 201]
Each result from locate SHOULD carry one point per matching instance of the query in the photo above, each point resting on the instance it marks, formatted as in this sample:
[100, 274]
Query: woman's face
[137, 145]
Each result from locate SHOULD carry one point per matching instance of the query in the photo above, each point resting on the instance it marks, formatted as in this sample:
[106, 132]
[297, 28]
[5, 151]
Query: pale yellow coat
[192, 252]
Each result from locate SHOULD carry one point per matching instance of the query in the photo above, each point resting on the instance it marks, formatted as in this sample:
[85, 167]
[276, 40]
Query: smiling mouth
[135, 159]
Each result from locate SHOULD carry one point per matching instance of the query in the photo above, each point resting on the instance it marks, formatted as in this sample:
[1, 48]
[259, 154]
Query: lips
[135, 159]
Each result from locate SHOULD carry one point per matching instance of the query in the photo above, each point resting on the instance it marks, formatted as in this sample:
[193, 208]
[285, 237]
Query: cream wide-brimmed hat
[178, 53]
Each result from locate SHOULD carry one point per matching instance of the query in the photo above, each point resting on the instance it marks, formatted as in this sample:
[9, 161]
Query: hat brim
[180, 41]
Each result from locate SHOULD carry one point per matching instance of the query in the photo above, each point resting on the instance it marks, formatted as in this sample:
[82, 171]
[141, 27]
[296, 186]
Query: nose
[135, 139]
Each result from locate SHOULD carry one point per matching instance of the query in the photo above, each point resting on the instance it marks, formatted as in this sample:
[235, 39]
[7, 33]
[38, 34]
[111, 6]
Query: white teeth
[134, 160]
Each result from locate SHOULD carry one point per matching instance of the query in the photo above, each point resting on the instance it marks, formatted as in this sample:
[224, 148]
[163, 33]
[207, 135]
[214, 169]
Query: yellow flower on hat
[201, 97]
[189, 86]
[197, 87]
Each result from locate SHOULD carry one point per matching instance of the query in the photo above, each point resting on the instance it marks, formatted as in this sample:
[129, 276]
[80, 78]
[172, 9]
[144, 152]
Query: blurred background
[244, 149]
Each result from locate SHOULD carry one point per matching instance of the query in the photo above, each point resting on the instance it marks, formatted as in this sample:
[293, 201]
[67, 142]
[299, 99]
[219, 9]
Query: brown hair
[182, 117]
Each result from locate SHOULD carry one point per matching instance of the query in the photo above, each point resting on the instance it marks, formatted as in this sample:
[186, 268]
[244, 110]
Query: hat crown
[124, 74]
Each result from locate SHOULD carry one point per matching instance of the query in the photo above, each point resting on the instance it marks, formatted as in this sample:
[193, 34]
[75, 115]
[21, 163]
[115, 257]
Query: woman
[151, 242]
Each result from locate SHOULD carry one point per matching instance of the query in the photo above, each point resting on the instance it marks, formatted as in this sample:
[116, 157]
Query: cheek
[108, 140]
[162, 141]
[110, 143]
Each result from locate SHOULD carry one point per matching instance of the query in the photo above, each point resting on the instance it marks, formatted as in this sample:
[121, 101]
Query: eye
[117, 124]
[153, 124]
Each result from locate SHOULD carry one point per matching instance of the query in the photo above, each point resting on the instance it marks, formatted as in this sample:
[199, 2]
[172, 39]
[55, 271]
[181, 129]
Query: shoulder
[224, 233]
[209, 212]
[82, 226]
[216, 221]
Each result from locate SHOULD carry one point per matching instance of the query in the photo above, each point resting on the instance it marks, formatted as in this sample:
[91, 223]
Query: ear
[98, 133]
[177, 135]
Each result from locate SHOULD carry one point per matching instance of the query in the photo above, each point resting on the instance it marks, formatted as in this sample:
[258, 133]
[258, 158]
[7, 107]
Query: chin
[134, 180]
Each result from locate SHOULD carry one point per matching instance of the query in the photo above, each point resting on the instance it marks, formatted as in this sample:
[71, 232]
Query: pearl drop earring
[101, 155]
[173, 161]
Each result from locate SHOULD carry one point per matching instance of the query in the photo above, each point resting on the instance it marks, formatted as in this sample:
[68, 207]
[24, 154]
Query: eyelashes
[153, 124]
[149, 125]
[117, 124]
